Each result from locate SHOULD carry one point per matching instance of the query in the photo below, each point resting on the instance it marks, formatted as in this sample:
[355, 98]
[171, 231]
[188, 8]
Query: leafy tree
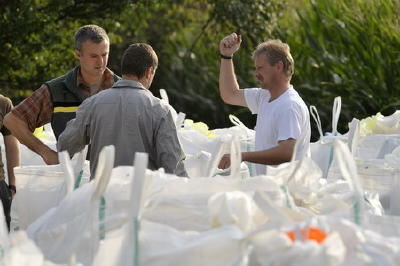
[36, 39]
[347, 48]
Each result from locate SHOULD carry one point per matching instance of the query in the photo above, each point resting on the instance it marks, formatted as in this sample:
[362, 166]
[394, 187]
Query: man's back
[129, 117]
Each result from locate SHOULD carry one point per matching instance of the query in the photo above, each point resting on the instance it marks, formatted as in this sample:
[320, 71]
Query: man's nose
[100, 60]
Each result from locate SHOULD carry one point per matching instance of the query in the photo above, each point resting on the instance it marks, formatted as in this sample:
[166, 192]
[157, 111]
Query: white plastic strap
[80, 161]
[140, 166]
[164, 95]
[180, 120]
[337, 107]
[353, 136]
[105, 165]
[236, 158]
[69, 179]
[217, 154]
[236, 121]
[315, 115]
[348, 169]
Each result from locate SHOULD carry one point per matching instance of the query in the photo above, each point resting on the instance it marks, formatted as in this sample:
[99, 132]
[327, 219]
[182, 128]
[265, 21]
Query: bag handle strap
[315, 116]
[80, 162]
[337, 107]
[104, 168]
[180, 120]
[236, 121]
[348, 169]
[65, 162]
[164, 95]
[236, 157]
[139, 174]
[353, 136]
[217, 154]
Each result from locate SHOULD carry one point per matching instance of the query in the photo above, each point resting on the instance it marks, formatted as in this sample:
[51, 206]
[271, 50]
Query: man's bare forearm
[276, 155]
[13, 156]
[19, 128]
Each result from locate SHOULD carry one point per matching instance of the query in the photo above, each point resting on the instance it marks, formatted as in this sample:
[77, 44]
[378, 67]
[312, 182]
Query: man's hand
[12, 191]
[50, 157]
[230, 44]
[225, 161]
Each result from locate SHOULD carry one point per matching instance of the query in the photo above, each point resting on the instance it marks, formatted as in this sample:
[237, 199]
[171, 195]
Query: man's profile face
[264, 72]
[93, 57]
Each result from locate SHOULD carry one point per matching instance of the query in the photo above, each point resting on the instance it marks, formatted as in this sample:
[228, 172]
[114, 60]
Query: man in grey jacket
[129, 117]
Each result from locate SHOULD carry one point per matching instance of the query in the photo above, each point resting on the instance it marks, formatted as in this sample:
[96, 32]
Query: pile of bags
[304, 212]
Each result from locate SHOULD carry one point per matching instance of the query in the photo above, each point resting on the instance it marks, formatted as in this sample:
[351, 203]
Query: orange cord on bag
[312, 233]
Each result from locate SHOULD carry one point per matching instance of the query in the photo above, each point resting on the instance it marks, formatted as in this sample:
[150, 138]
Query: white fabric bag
[72, 228]
[23, 251]
[322, 150]
[376, 146]
[42, 187]
[139, 242]
[245, 135]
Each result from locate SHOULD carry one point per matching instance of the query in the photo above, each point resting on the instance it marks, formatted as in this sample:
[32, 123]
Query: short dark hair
[91, 33]
[137, 59]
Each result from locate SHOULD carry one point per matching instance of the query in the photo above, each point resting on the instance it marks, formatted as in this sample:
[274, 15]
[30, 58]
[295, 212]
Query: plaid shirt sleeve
[37, 109]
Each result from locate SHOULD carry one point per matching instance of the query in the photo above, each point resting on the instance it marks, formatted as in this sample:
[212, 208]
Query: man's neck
[279, 89]
[134, 78]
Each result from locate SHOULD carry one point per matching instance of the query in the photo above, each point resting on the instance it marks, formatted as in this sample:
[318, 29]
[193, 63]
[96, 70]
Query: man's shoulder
[263, 94]
[62, 78]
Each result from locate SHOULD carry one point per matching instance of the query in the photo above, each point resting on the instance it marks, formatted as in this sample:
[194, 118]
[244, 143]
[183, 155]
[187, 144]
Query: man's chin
[98, 72]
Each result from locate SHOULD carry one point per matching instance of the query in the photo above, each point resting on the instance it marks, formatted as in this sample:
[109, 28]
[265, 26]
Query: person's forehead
[92, 46]
[260, 59]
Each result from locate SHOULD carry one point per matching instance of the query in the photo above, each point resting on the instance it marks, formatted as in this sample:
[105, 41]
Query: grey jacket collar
[124, 83]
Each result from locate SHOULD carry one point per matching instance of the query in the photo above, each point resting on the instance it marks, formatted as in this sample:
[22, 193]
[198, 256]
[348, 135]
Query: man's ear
[149, 72]
[280, 65]
[77, 54]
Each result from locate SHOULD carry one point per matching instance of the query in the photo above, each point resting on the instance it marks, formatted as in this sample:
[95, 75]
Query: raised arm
[228, 85]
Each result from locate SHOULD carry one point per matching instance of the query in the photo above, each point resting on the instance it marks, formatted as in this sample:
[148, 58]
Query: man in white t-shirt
[282, 116]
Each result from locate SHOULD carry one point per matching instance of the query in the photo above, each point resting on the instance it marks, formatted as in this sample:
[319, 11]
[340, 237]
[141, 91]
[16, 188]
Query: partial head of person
[92, 47]
[273, 63]
[139, 62]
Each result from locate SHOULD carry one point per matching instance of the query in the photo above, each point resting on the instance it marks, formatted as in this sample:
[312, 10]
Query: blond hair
[276, 51]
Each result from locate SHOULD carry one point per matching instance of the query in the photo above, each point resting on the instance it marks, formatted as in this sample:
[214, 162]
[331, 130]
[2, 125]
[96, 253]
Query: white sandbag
[183, 203]
[196, 165]
[321, 151]
[23, 251]
[245, 135]
[275, 248]
[195, 137]
[42, 187]
[72, 228]
[379, 124]
[378, 177]
[236, 208]
[341, 243]
[161, 245]
[376, 146]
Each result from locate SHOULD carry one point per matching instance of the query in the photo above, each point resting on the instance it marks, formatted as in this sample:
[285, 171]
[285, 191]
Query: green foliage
[344, 47]
[36, 39]
[347, 48]
[186, 35]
